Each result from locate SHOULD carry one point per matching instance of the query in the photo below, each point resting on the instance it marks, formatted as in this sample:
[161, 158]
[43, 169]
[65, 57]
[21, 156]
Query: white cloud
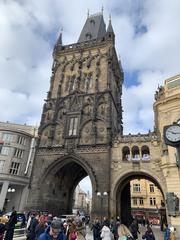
[147, 38]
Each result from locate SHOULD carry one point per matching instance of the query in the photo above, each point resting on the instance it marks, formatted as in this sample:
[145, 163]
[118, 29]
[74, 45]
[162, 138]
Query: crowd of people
[48, 227]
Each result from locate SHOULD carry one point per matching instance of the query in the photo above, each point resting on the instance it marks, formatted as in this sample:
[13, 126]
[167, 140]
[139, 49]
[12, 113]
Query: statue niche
[44, 141]
[58, 138]
[101, 132]
[87, 110]
[85, 134]
[102, 110]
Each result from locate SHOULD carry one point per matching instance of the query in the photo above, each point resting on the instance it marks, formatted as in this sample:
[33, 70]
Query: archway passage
[140, 195]
[60, 183]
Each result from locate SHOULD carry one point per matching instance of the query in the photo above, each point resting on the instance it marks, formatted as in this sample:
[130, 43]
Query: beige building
[82, 201]
[17, 148]
[146, 199]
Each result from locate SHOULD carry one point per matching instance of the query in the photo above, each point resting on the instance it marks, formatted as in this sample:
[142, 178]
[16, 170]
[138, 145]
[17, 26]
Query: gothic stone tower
[81, 116]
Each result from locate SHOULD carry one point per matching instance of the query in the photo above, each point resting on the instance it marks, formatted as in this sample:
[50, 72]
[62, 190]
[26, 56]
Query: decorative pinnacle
[88, 12]
[110, 17]
[102, 9]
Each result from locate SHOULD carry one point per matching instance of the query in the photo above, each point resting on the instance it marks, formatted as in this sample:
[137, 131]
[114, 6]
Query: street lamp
[11, 189]
[102, 195]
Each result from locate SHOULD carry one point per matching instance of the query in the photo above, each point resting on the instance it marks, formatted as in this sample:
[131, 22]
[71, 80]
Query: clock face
[173, 133]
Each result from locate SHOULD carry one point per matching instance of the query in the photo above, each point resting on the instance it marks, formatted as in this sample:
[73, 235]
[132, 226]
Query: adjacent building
[82, 201]
[146, 200]
[17, 149]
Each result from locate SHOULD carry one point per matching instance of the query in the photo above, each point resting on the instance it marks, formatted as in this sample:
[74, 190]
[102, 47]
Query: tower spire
[88, 13]
[110, 28]
[59, 41]
[102, 9]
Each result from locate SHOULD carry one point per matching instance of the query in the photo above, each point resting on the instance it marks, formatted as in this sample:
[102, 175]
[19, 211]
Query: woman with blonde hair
[124, 233]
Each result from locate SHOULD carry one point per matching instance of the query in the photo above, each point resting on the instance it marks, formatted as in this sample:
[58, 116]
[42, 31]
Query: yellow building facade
[146, 200]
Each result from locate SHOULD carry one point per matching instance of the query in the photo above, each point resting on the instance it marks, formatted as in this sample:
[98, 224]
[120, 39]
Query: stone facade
[17, 149]
[81, 131]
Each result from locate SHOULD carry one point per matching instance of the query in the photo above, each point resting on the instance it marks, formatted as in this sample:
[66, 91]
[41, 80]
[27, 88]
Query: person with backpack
[149, 235]
[124, 233]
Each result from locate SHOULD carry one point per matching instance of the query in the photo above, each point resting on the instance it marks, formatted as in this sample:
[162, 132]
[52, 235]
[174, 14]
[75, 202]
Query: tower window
[73, 125]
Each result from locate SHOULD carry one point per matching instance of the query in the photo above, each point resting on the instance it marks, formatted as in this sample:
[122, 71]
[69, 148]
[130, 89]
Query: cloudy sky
[147, 40]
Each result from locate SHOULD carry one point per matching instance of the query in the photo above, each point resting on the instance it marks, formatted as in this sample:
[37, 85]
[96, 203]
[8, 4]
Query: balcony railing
[137, 157]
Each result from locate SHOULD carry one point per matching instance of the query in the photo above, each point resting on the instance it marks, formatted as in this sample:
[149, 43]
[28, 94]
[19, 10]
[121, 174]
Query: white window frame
[2, 163]
[14, 168]
[8, 137]
[136, 187]
[141, 201]
[19, 153]
[73, 126]
[135, 202]
[152, 201]
[5, 150]
[151, 188]
[21, 140]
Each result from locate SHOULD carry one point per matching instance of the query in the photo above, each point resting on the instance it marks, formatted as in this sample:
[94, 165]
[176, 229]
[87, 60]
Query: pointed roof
[110, 28]
[59, 41]
[94, 28]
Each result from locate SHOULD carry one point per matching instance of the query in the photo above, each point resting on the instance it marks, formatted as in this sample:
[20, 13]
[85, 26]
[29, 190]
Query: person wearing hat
[53, 232]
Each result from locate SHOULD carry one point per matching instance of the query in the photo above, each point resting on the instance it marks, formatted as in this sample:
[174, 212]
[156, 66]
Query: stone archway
[58, 182]
[120, 195]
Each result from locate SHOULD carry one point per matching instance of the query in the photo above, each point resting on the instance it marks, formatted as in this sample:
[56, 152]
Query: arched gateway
[81, 131]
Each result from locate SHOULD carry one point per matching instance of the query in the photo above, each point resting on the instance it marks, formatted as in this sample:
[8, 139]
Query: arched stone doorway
[122, 194]
[57, 186]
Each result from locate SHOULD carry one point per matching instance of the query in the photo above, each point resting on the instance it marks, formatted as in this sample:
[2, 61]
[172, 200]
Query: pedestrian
[124, 233]
[72, 235]
[11, 225]
[54, 231]
[96, 230]
[172, 233]
[31, 234]
[149, 235]
[105, 232]
[134, 228]
[2, 230]
[167, 232]
[80, 231]
[39, 229]
[89, 232]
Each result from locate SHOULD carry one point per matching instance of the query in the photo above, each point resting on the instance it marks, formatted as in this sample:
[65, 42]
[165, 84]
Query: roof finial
[109, 17]
[61, 30]
[88, 13]
[102, 9]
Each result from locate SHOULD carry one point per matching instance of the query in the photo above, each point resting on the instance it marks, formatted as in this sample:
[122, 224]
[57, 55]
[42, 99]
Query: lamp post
[101, 196]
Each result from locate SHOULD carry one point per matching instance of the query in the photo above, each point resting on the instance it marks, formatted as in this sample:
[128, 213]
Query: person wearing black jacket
[96, 230]
[11, 225]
